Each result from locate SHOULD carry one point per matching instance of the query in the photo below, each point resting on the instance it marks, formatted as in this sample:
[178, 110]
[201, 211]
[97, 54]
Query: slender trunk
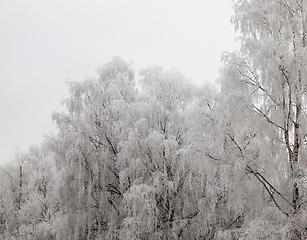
[295, 160]
[19, 198]
[20, 187]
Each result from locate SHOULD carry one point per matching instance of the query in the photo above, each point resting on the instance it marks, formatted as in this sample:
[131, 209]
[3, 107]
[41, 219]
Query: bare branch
[267, 189]
[236, 219]
[262, 180]
[267, 118]
[273, 188]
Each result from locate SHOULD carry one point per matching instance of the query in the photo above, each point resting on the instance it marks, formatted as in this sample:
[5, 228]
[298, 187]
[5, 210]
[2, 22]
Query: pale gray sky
[43, 43]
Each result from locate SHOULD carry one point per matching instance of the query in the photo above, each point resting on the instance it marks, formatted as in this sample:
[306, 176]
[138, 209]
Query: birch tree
[153, 174]
[86, 150]
[269, 72]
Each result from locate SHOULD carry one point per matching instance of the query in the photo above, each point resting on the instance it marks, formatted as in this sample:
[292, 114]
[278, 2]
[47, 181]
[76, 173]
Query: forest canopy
[161, 158]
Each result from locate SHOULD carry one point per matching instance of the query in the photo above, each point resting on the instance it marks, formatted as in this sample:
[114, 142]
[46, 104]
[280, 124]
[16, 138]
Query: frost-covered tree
[128, 161]
[151, 159]
[86, 150]
[9, 201]
[267, 78]
[41, 201]
[172, 160]
[28, 200]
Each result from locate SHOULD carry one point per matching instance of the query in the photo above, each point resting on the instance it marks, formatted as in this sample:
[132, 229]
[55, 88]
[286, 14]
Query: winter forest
[161, 158]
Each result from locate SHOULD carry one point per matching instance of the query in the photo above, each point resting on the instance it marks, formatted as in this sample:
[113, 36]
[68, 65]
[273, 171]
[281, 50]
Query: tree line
[161, 158]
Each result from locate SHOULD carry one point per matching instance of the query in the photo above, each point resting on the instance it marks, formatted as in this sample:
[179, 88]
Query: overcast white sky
[43, 43]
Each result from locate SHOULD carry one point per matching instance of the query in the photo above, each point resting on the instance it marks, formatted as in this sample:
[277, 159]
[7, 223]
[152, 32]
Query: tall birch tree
[269, 73]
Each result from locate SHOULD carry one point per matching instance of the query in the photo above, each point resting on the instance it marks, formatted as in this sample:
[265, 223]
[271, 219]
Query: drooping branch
[272, 187]
[262, 114]
[253, 81]
[239, 148]
[112, 189]
[95, 142]
[9, 175]
[236, 219]
[268, 191]
[113, 205]
[262, 180]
